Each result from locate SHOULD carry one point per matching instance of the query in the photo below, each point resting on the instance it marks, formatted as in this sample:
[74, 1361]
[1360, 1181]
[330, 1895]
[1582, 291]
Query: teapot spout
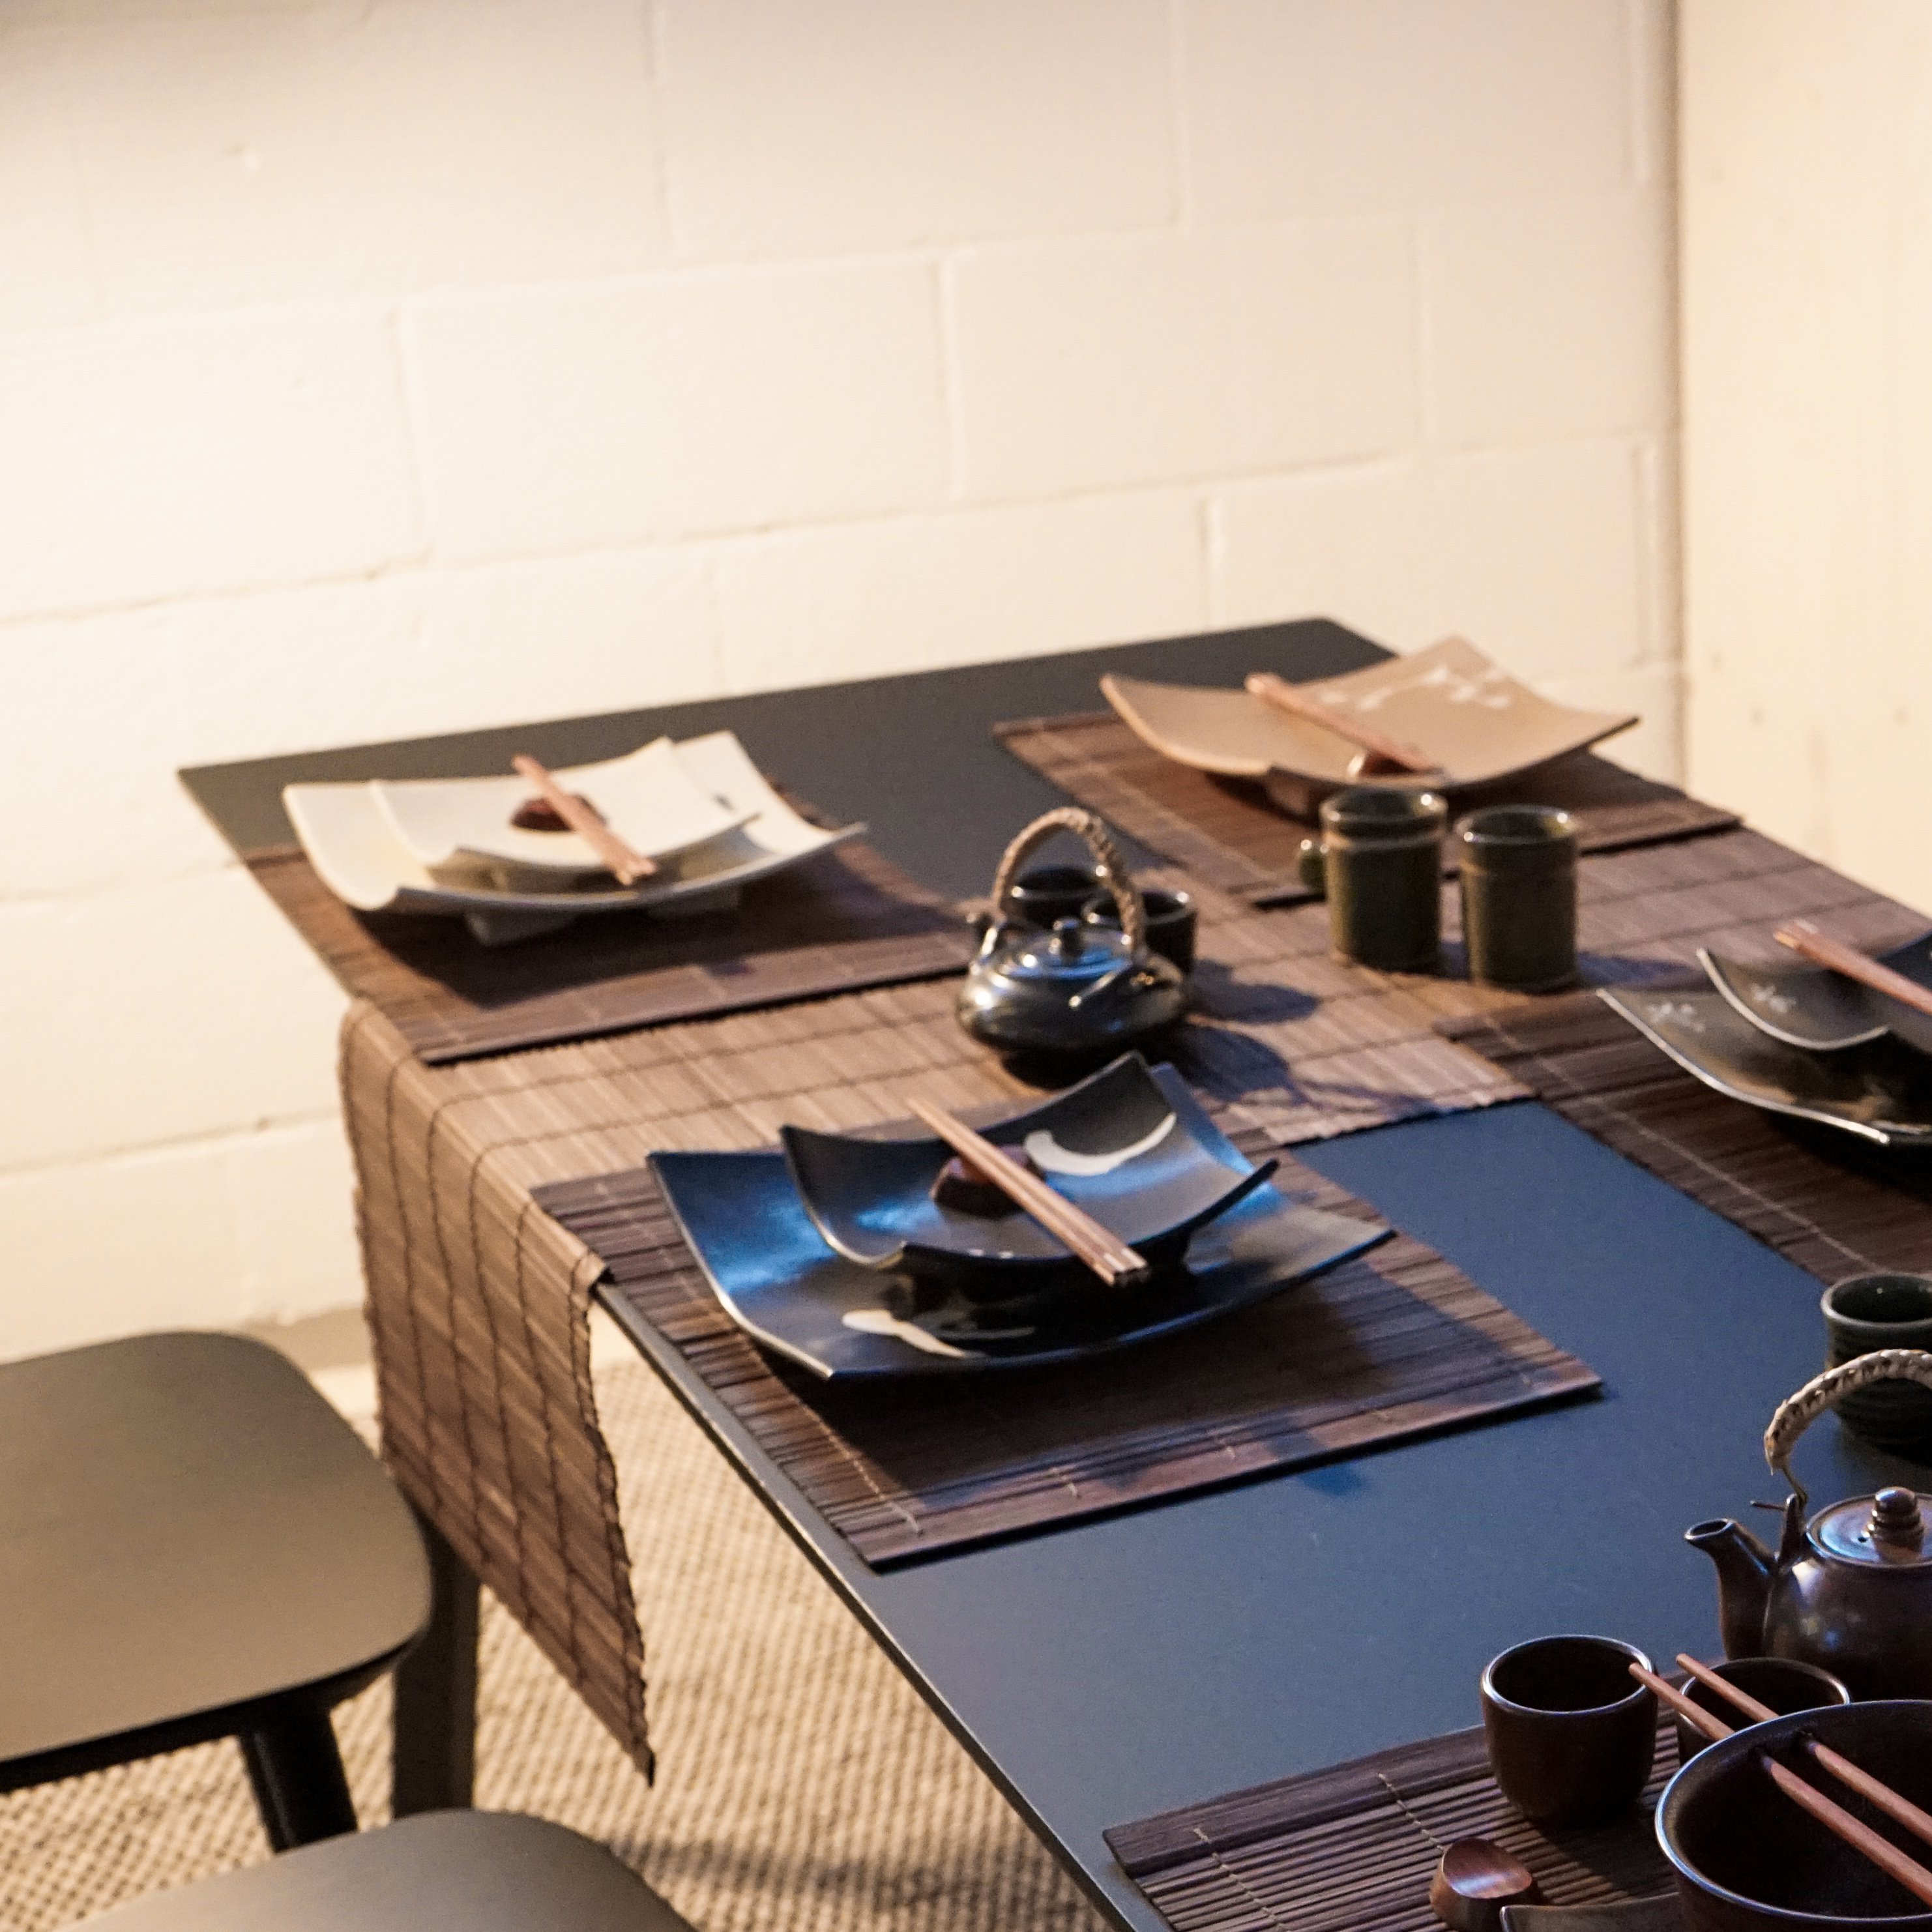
[1744, 1571]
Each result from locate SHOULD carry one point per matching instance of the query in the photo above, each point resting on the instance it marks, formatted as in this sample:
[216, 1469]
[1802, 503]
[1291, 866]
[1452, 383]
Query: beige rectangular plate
[1467, 716]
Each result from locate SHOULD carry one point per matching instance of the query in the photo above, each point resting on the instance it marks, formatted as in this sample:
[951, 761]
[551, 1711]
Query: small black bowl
[1784, 1683]
[1172, 920]
[1043, 896]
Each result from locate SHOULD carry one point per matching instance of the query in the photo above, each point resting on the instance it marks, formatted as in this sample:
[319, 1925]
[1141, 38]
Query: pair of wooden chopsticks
[1394, 753]
[1821, 949]
[1909, 1873]
[1102, 1250]
[629, 866]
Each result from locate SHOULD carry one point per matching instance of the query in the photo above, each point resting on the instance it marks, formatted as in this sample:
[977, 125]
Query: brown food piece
[962, 1187]
[539, 814]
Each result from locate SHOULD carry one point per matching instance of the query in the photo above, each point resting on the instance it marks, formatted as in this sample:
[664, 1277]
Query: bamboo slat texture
[1824, 1200]
[1387, 1346]
[846, 919]
[1225, 831]
[1355, 1846]
[479, 1301]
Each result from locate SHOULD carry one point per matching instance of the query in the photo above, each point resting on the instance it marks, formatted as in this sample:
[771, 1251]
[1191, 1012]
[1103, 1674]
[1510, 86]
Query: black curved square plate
[1880, 1091]
[1130, 1144]
[844, 1322]
[1808, 1005]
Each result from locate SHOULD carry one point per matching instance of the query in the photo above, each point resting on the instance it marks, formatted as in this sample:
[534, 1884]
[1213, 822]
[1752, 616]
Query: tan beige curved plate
[1469, 716]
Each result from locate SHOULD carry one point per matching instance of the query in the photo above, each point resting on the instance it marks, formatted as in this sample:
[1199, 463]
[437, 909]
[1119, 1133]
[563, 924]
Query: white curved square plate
[355, 850]
[649, 798]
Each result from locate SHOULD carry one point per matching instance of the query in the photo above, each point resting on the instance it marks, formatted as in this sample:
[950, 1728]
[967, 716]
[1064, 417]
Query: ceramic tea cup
[1881, 1311]
[1379, 862]
[1782, 1682]
[1043, 896]
[1517, 873]
[1171, 919]
[1570, 1732]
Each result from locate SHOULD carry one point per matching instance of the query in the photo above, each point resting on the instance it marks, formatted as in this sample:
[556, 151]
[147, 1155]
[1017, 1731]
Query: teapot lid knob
[1895, 1518]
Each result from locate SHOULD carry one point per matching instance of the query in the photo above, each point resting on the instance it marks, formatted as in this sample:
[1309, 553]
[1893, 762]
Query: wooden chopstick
[1882, 1851]
[1900, 1810]
[1100, 1248]
[1285, 697]
[628, 866]
[1821, 949]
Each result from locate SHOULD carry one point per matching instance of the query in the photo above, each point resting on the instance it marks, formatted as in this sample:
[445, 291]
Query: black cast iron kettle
[1077, 991]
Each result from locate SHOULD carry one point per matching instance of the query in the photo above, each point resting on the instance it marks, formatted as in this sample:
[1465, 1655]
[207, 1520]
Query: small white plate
[354, 848]
[648, 798]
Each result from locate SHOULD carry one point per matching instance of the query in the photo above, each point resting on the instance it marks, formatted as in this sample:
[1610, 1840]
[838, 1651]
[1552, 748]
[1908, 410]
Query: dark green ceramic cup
[1517, 865]
[1382, 863]
[1883, 1311]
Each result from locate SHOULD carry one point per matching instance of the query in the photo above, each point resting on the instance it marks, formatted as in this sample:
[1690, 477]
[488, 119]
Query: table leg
[295, 1767]
[436, 1692]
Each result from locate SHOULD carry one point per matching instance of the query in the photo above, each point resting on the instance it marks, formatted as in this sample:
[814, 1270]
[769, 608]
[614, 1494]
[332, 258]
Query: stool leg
[296, 1771]
[436, 1692]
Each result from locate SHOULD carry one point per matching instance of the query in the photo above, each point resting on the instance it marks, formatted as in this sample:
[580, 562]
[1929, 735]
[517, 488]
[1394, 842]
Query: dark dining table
[1118, 1667]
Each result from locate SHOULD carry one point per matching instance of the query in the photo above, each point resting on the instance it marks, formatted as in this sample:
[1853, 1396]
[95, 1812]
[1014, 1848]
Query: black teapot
[1080, 990]
[1850, 1590]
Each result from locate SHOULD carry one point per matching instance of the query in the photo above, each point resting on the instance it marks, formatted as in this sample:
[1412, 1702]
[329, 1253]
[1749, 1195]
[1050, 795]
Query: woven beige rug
[801, 1784]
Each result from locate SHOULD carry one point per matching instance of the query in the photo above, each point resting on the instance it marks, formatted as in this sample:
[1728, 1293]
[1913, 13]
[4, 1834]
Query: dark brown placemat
[846, 919]
[1826, 1201]
[1381, 1348]
[1354, 1846]
[1226, 832]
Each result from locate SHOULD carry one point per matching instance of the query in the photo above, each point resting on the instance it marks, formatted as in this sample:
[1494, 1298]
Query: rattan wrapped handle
[1797, 1414]
[1108, 866]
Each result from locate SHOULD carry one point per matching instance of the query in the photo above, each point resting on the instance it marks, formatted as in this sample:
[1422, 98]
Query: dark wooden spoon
[1473, 1882]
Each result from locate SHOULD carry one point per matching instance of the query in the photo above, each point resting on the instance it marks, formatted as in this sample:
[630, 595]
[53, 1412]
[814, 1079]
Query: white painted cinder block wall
[1807, 362]
[381, 368]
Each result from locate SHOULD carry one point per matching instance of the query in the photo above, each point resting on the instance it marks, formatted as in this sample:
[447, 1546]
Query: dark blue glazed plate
[841, 1320]
[1808, 1005]
[1880, 1091]
[1129, 1144]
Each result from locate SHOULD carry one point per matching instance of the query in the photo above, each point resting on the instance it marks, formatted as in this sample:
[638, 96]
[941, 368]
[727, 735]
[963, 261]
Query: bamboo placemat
[1354, 1846]
[1225, 831]
[1826, 1202]
[845, 920]
[1384, 1347]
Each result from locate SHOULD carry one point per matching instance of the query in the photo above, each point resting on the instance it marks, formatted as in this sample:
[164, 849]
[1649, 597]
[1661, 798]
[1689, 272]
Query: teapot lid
[1886, 1531]
[1071, 956]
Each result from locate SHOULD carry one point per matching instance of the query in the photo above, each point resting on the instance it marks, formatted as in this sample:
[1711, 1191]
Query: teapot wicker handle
[1797, 1414]
[1109, 865]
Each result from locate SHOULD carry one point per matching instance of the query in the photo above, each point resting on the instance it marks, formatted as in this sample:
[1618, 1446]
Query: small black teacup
[1782, 1683]
[1172, 919]
[1570, 1732]
[1043, 895]
[1881, 1311]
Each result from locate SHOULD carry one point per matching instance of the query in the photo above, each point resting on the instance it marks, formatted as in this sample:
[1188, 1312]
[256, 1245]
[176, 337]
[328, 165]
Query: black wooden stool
[470, 1871]
[194, 1545]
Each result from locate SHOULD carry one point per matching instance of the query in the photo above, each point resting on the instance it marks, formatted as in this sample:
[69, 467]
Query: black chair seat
[480, 1871]
[193, 1545]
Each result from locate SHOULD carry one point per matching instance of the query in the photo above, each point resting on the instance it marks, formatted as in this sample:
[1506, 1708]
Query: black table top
[1114, 1668]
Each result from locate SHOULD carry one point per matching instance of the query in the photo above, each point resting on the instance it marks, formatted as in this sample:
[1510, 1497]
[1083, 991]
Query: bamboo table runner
[1355, 1846]
[844, 919]
[1832, 1204]
[1382, 1348]
[1226, 832]
[1309, 1046]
